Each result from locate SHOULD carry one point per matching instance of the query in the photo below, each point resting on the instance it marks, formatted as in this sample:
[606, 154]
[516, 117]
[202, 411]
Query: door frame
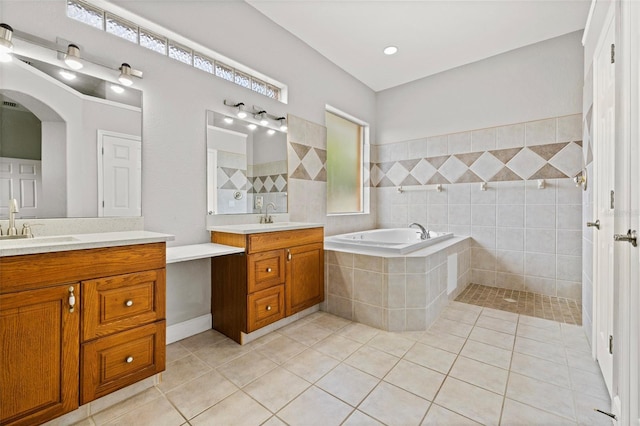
[627, 257]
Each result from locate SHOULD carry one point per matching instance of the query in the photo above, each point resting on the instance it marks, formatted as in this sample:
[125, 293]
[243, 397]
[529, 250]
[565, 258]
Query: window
[346, 159]
[89, 14]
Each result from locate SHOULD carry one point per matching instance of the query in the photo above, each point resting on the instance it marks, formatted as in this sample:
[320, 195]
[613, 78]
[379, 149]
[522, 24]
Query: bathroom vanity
[80, 317]
[280, 274]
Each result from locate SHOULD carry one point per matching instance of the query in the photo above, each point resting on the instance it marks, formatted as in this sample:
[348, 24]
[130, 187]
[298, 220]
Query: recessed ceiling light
[67, 75]
[390, 50]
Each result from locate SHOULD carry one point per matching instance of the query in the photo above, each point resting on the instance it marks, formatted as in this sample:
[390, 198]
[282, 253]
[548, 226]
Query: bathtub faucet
[424, 234]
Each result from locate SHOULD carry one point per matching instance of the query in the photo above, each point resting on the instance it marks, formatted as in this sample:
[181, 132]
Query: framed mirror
[68, 147]
[246, 166]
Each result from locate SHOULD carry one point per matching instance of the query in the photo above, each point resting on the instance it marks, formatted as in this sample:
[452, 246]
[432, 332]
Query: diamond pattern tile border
[551, 161]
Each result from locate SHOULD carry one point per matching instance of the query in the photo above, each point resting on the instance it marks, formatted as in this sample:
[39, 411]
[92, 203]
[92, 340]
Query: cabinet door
[305, 277]
[39, 359]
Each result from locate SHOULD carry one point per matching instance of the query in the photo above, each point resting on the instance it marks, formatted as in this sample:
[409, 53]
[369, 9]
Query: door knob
[630, 237]
[595, 224]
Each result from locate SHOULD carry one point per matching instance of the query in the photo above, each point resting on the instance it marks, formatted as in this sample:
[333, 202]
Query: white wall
[531, 83]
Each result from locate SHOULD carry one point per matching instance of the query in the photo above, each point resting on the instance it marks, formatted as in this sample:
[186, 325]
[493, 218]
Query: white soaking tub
[393, 241]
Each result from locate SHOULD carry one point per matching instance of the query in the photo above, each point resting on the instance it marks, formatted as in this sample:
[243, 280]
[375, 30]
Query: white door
[21, 179]
[119, 174]
[604, 198]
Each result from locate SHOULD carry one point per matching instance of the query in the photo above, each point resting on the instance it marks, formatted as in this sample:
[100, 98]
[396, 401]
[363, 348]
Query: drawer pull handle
[268, 269]
[72, 300]
[268, 307]
[129, 359]
[129, 303]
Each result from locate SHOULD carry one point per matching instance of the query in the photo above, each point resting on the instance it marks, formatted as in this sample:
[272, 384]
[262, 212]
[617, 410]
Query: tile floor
[475, 365]
[523, 302]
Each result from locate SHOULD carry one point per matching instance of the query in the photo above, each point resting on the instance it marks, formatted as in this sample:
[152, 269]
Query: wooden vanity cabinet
[58, 351]
[280, 273]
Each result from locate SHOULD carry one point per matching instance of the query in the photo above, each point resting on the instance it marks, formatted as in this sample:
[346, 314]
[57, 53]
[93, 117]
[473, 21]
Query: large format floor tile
[475, 365]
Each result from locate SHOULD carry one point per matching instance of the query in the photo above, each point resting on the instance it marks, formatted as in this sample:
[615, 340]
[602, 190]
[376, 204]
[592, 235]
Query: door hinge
[611, 345]
[612, 199]
[613, 53]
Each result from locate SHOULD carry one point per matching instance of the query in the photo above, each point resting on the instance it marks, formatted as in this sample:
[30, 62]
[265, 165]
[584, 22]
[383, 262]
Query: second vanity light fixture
[259, 114]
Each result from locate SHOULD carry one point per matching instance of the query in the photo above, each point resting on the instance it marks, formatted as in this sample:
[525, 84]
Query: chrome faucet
[13, 209]
[266, 218]
[424, 234]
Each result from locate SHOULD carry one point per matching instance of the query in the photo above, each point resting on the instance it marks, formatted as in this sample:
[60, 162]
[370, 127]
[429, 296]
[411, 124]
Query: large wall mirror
[246, 166]
[68, 148]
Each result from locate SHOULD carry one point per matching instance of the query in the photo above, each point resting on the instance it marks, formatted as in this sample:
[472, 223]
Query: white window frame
[365, 156]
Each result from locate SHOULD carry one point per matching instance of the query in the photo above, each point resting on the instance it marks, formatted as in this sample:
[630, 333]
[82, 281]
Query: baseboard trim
[188, 328]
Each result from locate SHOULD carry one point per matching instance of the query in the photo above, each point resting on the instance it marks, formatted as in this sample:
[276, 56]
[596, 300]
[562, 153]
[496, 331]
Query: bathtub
[392, 241]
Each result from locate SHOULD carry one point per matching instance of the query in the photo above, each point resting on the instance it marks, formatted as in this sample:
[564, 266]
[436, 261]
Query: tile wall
[394, 293]
[523, 237]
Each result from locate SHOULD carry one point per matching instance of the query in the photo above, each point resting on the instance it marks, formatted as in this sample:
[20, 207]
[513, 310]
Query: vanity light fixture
[68, 75]
[72, 57]
[262, 116]
[252, 126]
[125, 75]
[390, 50]
[6, 47]
[241, 113]
[283, 123]
[117, 89]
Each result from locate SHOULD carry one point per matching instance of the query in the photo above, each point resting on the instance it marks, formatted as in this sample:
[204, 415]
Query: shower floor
[523, 302]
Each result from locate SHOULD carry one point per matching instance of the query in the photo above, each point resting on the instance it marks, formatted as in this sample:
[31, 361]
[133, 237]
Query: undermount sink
[23, 241]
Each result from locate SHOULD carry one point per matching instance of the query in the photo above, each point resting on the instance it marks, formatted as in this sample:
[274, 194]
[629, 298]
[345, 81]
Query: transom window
[113, 24]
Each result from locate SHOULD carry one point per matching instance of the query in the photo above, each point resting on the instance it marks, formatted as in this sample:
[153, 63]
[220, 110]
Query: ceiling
[432, 36]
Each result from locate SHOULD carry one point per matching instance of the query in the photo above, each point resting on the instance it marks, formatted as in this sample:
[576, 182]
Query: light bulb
[241, 114]
[390, 50]
[264, 122]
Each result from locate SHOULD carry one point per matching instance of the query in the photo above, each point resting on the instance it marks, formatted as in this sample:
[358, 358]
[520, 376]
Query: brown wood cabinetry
[279, 274]
[59, 351]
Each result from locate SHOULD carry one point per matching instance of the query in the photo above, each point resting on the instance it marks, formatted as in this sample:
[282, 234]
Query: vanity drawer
[265, 307]
[265, 269]
[284, 239]
[121, 302]
[116, 361]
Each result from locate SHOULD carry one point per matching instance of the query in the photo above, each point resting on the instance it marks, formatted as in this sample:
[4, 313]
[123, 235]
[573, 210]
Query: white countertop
[79, 242]
[199, 251]
[254, 228]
